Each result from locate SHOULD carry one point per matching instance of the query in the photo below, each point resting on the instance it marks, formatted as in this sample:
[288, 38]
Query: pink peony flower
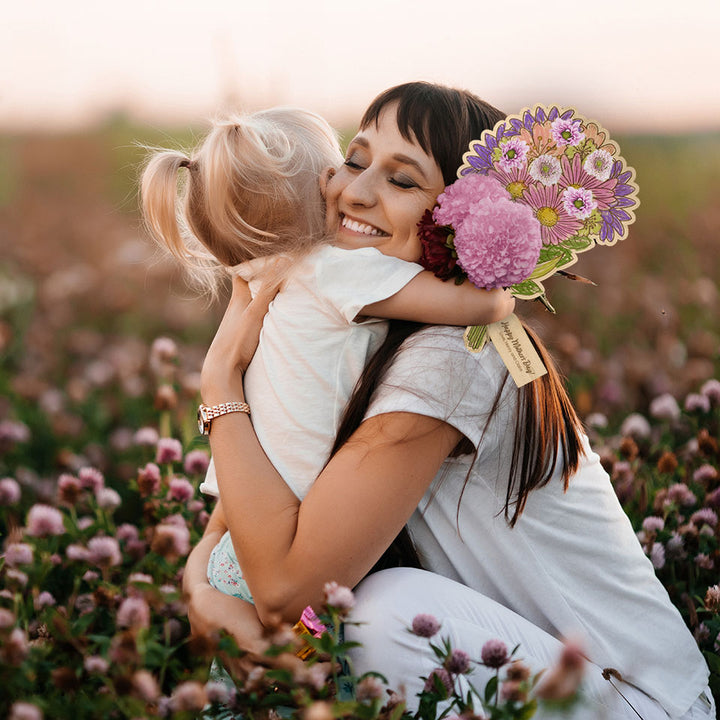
[169, 450]
[104, 551]
[339, 597]
[494, 653]
[196, 462]
[497, 241]
[180, 489]
[44, 520]
[10, 492]
[133, 612]
[425, 625]
[18, 554]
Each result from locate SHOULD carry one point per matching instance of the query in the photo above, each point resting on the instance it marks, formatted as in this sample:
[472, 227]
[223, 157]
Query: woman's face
[380, 193]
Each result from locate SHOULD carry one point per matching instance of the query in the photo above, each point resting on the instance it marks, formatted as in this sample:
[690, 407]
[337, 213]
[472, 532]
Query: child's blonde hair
[252, 190]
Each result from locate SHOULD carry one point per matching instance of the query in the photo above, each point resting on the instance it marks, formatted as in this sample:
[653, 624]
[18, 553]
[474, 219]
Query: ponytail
[252, 190]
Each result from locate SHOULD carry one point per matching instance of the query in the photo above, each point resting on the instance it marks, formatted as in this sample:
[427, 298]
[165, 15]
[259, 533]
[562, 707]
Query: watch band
[207, 413]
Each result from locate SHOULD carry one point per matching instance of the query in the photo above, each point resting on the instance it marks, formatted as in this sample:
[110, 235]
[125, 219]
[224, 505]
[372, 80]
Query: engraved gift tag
[517, 352]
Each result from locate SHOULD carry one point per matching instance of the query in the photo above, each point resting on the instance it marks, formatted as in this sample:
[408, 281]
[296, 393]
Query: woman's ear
[325, 178]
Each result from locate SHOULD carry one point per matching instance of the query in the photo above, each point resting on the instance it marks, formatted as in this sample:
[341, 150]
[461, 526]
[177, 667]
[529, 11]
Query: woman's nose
[362, 190]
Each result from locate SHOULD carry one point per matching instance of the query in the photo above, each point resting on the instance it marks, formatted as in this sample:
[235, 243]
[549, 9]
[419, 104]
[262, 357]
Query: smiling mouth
[362, 228]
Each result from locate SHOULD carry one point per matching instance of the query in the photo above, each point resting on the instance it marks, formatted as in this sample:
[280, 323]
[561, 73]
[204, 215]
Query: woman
[505, 500]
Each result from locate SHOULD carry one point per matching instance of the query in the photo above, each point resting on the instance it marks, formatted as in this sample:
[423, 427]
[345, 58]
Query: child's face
[380, 193]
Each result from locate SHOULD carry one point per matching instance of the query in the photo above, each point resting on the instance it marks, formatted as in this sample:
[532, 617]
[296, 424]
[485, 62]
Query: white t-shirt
[312, 352]
[572, 563]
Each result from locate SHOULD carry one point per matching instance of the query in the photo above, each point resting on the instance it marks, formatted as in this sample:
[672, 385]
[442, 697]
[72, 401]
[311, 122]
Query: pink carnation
[497, 241]
[44, 599]
[96, 665]
[653, 524]
[665, 407]
[126, 532]
[44, 520]
[681, 494]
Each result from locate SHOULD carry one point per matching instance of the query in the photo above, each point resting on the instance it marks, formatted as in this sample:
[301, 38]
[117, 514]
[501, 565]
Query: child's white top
[312, 351]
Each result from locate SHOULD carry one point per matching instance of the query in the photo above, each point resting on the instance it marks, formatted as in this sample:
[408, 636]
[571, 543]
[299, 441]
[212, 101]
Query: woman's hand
[235, 342]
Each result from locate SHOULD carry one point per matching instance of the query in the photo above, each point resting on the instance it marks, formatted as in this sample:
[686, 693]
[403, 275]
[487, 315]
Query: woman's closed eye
[403, 181]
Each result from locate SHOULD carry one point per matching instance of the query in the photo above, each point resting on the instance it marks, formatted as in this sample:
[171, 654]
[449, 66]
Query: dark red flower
[438, 255]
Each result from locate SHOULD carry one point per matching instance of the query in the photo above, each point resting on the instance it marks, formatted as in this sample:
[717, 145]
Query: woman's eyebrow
[398, 157]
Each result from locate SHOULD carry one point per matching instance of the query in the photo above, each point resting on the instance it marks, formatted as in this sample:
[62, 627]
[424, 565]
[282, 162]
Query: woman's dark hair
[440, 119]
[443, 121]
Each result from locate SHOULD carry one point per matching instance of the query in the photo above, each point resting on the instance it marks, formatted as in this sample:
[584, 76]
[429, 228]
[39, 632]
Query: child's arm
[428, 299]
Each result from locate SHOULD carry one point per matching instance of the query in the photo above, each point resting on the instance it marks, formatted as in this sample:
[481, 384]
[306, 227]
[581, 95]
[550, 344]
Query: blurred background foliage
[83, 291]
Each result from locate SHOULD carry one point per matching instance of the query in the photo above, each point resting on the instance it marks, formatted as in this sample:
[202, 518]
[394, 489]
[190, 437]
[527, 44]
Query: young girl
[253, 192]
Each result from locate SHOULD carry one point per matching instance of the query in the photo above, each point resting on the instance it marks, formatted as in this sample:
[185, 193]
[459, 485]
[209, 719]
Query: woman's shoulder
[444, 347]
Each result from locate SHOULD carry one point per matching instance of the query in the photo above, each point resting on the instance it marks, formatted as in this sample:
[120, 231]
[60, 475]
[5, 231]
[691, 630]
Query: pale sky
[629, 64]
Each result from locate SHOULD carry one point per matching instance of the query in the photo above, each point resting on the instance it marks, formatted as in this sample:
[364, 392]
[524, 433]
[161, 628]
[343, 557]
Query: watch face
[202, 422]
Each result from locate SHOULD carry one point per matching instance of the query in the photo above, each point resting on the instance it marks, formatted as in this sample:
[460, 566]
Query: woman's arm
[361, 500]
[428, 299]
[210, 610]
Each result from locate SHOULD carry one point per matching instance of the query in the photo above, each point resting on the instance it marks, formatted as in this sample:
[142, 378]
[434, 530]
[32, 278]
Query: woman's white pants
[386, 603]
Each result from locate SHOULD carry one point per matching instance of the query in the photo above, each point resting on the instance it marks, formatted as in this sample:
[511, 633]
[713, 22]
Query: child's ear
[325, 178]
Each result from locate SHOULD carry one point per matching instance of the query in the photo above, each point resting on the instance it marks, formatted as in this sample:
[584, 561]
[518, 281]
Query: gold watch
[206, 413]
